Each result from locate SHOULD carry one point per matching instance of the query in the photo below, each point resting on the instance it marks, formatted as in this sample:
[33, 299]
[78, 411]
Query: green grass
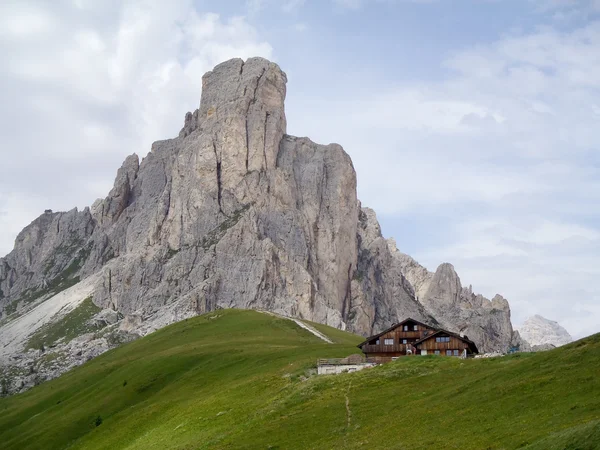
[580, 437]
[337, 336]
[70, 326]
[238, 379]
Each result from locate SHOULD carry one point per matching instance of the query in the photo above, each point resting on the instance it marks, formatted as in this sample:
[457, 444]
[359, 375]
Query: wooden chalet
[411, 337]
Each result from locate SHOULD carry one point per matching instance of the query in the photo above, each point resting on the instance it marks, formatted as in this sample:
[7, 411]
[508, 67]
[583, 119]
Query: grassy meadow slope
[236, 379]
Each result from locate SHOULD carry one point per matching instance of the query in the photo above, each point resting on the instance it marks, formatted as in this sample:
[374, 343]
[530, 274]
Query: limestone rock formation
[541, 332]
[458, 309]
[518, 343]
[47, 257]
[233, 212]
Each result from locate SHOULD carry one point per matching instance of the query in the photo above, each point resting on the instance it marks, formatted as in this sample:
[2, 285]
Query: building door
[423, 352]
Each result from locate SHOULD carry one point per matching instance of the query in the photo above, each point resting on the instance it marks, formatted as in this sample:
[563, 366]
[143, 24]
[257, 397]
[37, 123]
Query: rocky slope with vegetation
[231, 213]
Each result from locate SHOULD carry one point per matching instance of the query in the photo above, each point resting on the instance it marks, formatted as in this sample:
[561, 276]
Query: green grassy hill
[238, 379]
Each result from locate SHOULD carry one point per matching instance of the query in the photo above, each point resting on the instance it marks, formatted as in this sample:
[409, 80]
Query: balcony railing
[410, 334]
[381, 348]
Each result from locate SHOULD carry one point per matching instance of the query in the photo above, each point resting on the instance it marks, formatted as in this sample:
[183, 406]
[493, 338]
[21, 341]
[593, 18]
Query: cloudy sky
[474, 125]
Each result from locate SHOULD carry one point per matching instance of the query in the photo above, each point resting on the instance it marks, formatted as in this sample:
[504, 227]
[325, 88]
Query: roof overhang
[393, 327]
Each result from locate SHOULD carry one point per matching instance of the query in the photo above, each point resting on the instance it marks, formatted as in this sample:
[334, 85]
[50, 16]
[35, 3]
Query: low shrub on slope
[236, 379]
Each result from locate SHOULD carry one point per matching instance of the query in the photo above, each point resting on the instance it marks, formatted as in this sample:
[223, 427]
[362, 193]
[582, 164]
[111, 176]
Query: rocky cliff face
[231, 213]
[458, 309]
[234, 212]
[541, 332]
[47, 258]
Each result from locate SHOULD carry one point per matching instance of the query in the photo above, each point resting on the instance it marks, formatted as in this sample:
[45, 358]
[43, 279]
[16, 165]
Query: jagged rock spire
[242, 112]
[243, 105]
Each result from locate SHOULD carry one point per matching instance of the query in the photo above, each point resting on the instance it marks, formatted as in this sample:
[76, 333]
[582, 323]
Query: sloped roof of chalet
[458, 336]
[396, 325]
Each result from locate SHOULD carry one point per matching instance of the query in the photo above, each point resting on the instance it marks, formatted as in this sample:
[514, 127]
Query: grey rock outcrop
[542, 333]
[458, 309]
[518, 343]
[29, 368]
[46, 259]
[235, 213]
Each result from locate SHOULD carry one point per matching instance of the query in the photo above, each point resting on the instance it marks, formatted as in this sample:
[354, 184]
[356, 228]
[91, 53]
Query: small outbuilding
[352, 363]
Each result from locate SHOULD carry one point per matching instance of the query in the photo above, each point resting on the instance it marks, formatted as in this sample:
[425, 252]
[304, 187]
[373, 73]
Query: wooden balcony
[408, 334]
[381, 348]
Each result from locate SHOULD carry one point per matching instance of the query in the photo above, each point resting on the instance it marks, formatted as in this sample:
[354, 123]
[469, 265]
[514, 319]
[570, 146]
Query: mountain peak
[537, 330]
[242, 109]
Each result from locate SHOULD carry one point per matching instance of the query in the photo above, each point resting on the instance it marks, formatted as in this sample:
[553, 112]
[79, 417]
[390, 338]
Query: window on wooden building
[448, 352]
[442, 339]
[455, 352]
[388, 342]
[416, 328]
[405, 327]
[437, 352]
[377, 342]
[404, 341]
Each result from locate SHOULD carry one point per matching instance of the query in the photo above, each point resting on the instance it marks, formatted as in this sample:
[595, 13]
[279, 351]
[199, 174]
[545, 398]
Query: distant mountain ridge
[231, 213]
[457, 308]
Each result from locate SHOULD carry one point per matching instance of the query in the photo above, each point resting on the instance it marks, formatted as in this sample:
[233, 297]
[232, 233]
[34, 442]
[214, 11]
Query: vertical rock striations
[48, 255]
[233, 212]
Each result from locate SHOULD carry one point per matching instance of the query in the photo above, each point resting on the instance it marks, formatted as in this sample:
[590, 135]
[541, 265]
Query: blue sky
[473, 124]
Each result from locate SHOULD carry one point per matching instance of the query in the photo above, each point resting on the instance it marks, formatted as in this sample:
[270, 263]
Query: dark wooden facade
[411, 337]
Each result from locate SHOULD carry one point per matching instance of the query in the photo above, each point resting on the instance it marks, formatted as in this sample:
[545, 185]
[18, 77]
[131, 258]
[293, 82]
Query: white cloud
[93, 82]
[22, 21]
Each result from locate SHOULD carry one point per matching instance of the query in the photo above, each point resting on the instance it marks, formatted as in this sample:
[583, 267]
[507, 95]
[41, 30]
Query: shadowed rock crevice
[266, 165]
[218, 173]
[251, 103]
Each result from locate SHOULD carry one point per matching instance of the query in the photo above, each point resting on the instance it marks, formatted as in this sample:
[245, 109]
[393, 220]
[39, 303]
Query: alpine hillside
[242, 379]
[231, 213]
